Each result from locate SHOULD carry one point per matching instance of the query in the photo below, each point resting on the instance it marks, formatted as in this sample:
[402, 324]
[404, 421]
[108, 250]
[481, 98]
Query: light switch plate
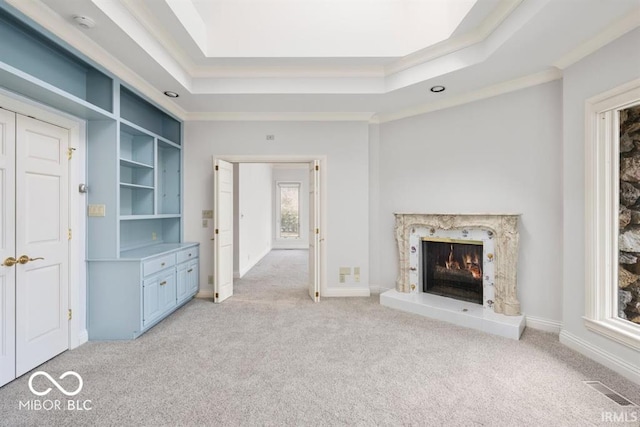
[207, 214]
[345, 271]
[96, 210]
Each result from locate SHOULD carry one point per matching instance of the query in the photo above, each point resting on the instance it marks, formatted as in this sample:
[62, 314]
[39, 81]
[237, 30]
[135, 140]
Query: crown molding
[281, 117]
[140, 12]
[120, 14]
[75, 38]
[292, 71]
[172, 57]
[186, 12]
[445, 47]
[612, 32]
[484, 93]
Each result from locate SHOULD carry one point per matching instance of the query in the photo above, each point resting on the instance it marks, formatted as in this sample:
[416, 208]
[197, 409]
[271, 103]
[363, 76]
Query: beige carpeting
[270, 356]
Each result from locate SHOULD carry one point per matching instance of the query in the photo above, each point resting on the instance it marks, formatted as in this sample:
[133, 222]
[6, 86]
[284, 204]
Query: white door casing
[314, 230]
[223, 223]
[42, 206]
[7, 246]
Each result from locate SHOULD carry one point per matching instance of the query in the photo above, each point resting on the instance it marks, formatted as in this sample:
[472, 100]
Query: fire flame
[470, 262]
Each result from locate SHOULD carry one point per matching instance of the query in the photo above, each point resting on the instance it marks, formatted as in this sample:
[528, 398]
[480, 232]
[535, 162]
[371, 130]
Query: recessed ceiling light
[84, 22]
[437, 89]
[171, 94]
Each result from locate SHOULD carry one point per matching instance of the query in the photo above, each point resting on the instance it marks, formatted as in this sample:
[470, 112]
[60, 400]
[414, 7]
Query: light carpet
[270, 356]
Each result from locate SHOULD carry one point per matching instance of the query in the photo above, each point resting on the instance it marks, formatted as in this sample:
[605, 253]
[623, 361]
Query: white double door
[34, 243]
[223, 239]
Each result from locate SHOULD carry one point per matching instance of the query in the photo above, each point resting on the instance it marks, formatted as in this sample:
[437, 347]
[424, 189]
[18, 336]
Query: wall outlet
[342, 278]
[271, 137]
[205, 223]
[96, 210]
[356, 274]
[210, 280]
[154, 236]
[207, 214]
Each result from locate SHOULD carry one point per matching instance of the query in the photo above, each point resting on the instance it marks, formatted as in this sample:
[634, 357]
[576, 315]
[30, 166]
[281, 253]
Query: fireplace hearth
[460, 268]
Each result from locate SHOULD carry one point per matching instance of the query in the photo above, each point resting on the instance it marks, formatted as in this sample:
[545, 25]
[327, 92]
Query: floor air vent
[620, 400]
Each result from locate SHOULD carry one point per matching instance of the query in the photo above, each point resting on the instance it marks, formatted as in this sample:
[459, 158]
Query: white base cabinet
[129, 295]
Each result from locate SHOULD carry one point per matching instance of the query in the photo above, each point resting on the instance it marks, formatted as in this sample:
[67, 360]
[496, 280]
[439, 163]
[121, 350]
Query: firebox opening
[452, 268]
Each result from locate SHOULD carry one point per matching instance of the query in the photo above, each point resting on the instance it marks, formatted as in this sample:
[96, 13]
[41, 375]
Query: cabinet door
[192, 276]
[151, 300]
[167, 289]
[182, 281]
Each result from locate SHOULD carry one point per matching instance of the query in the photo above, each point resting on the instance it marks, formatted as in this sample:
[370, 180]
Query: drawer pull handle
[163, 283]
[162, 264]
[190, 270]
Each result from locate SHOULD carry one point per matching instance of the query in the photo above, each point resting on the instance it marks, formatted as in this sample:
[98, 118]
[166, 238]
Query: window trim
[602, 154]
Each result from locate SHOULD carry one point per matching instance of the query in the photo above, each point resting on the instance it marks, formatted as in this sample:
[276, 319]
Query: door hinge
[216, 231]
[70, 314]
[317, 167]
[70, 151]
[69, 235]
[216, 295]
[317, 231]
[216, 167]
[317, 294]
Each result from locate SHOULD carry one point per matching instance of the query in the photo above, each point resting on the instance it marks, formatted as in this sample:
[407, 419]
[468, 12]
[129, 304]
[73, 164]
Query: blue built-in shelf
[35, 66]
[139, 270]
[136, 110]
[132, 164]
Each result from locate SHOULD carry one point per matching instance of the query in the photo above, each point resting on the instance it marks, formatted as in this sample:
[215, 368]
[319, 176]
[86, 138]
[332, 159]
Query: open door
[314, 230]
[223, 222]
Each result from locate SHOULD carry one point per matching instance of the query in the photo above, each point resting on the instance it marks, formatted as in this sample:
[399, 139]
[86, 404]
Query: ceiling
[356, 58]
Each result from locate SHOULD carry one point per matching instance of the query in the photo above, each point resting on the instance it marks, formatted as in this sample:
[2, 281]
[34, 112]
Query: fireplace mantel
[502, 228]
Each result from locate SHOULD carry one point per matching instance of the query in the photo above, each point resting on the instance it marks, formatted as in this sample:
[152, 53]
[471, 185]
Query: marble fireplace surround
[501, 316]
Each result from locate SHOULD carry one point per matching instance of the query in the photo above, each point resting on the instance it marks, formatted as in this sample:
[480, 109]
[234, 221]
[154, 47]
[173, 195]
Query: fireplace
[471, 259]
[452, 268]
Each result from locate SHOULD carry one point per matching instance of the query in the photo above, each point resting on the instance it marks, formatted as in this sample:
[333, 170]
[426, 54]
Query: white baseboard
[208, 294]
[542, 324]
[345, 292]
[288, 245]
[244, 270]
[627, 370]
[376, 290]
[83, 337]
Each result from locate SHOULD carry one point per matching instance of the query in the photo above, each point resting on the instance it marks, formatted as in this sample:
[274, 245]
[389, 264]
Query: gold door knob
[9, 262]
[25, 259]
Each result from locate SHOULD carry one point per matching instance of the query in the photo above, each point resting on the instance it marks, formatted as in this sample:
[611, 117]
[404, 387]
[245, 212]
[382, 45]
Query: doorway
[41, 270]
[271, 231]
[35, 251]
[267, 211]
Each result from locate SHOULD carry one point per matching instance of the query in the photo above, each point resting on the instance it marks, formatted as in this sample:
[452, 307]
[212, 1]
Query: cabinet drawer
[187, 254]
[157, 264]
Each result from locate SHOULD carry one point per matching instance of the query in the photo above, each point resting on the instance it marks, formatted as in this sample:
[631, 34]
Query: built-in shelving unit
[139, 269]
[44, 69]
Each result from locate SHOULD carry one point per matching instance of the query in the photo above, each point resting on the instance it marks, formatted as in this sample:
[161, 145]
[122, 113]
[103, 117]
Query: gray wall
[609, 67]
[501, 154]
[254, 195]
[345, 147]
